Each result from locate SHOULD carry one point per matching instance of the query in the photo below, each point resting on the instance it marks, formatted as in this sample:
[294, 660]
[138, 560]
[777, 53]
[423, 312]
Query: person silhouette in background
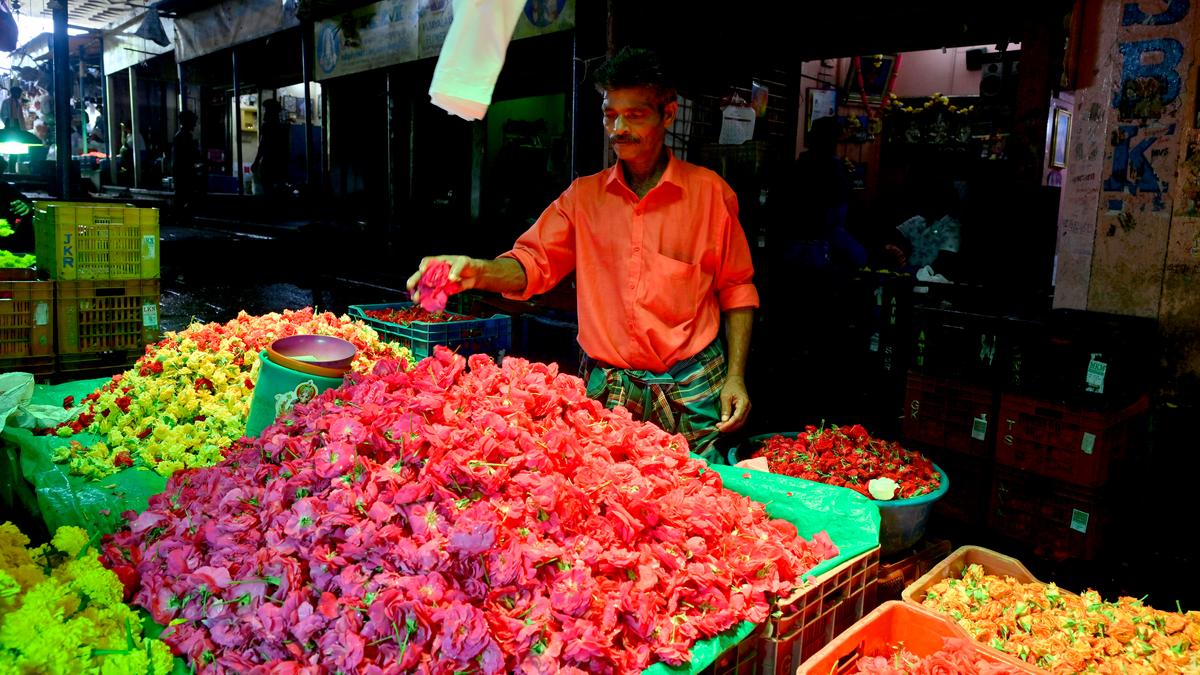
[271, 164]
[807, 209]
[184, 157]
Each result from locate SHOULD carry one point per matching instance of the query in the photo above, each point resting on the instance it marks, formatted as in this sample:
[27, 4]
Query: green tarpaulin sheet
[63, 499]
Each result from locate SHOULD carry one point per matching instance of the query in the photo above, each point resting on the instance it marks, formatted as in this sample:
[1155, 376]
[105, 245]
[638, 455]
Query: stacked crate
[26, 323]
[104, 260]
[1031, 420]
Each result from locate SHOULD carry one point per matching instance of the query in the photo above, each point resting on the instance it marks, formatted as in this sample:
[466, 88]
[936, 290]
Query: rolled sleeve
[738, 297]
[735, 281]
[547, 249]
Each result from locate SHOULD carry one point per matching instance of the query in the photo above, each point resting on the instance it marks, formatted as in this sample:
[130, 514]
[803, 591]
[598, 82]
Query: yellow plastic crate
[80, 241]
[106, 316]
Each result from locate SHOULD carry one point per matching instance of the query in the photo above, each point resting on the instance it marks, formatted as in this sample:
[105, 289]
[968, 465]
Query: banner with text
[398, 31]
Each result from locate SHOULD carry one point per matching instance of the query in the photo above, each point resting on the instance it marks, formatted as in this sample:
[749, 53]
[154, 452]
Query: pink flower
[435, 286]
[464, 632]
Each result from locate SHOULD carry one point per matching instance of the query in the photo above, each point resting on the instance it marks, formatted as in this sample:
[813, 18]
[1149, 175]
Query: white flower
[882, 489]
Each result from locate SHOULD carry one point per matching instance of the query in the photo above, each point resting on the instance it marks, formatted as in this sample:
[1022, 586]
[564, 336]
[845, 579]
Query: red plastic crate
[1058, 519]
[814, 615]
[947, 414]
[1067, 443]
[920, 631]
[26, 319]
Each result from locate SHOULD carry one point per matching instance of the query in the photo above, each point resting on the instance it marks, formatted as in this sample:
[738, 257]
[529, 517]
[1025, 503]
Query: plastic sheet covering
[63, 499]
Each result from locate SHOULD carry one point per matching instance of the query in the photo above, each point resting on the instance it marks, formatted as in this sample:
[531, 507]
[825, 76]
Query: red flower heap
[442, 520]
[403, 317]
[435, 286]
[849, 457]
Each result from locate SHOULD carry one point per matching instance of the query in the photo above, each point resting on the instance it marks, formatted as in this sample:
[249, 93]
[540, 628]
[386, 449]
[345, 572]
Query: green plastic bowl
[901, 521]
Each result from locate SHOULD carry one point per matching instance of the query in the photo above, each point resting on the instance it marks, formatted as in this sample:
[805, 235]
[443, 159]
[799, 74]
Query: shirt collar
[672, 175]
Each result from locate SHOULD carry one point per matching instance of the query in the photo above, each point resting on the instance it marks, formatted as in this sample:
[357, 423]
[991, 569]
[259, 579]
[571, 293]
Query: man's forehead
[642, 96]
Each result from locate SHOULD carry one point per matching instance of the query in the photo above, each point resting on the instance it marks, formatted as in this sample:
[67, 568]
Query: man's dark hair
[187, 118]
[633, 67]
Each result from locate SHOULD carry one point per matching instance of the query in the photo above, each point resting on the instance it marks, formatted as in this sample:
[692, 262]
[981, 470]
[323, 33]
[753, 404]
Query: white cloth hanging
[472, 55]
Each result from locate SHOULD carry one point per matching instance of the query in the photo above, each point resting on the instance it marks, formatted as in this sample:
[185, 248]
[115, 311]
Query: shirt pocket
[671, 289]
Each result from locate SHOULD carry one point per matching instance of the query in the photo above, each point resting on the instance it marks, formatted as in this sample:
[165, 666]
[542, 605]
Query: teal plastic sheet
[63, 499]
[706, 652]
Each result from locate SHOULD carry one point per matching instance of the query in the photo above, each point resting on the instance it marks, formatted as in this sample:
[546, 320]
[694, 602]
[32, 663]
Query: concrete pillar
[1129, 226]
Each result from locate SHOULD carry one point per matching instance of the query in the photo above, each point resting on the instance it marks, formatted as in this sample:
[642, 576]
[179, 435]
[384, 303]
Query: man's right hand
[464, 271]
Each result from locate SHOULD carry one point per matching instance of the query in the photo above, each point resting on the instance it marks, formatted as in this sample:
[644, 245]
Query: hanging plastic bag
[16, 391]
[737, 122]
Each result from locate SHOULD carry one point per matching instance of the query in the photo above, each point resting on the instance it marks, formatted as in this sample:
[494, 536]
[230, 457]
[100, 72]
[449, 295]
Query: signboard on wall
[397, 31]
[229, 23]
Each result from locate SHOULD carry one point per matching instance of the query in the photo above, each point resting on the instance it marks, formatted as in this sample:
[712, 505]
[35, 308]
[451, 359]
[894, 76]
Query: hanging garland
[874, 119]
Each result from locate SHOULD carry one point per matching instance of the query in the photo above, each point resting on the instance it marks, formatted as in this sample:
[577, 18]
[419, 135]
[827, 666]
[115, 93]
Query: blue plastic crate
[492, 336]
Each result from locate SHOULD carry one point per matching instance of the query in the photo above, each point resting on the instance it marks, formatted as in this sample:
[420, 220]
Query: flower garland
[187, 398]
[443, 520]
[62, 613]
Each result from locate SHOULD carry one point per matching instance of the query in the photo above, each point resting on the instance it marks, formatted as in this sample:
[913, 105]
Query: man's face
[636, 123]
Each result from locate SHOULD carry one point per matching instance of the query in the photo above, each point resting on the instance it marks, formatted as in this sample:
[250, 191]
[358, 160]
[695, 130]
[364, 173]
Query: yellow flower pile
[186, 400]
[62, 612]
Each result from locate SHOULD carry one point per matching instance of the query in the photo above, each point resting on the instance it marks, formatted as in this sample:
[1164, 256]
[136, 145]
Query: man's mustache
[624, 139]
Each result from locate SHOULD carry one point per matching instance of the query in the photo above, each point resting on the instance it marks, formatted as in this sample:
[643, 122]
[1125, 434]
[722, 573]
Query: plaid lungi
[684, 400]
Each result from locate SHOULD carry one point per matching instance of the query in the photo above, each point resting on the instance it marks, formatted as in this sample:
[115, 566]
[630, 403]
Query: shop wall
[1129, 230]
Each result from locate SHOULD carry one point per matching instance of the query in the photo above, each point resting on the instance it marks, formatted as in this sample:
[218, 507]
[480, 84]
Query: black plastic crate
[1097, 358]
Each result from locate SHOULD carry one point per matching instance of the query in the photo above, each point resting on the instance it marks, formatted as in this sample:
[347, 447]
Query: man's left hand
[735, 405]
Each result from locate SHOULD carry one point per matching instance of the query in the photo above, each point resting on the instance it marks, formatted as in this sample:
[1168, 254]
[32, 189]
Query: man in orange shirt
[659, 257]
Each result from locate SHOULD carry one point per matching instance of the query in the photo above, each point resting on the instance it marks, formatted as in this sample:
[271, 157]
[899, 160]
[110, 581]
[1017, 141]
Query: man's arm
[503, 275]
[735, 401]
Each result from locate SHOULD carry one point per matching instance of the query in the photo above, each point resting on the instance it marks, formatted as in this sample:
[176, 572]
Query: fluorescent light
[14, 149]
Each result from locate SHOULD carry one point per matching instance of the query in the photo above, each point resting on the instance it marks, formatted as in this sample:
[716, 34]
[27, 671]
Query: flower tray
[920, 631]
[492, 336]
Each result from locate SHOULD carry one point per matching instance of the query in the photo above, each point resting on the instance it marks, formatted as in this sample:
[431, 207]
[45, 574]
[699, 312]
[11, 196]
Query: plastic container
[814, 615]
[26, 319]
[901, 521]
[78, 241]
[952, 568]
[492, 336]
[920, 631]
[323, 351]
[278, 389]
[102, 316]
[1068, 443]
